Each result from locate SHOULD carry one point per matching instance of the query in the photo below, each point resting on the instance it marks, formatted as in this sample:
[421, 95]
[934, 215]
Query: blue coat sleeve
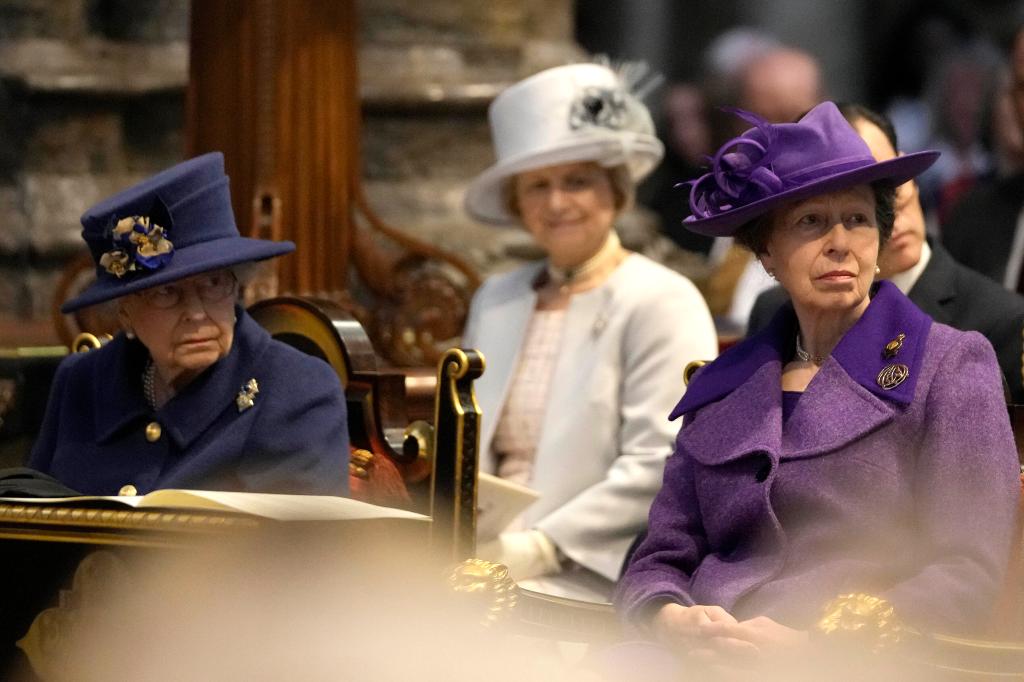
[46, 443]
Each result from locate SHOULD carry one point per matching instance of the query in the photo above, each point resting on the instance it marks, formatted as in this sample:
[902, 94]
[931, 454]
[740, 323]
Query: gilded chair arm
[691, 369]
[862, 618]
[86, 342]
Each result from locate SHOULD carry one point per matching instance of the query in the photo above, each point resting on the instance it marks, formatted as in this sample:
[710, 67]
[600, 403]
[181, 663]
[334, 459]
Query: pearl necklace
[564, 277]
[804, 356]
[148, 388]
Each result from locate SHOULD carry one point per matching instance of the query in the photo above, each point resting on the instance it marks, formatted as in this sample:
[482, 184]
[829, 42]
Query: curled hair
[245, 272]
[754, 234]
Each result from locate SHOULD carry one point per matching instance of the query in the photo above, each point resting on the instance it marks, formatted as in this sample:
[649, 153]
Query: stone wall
[91, 100]
[91, 96]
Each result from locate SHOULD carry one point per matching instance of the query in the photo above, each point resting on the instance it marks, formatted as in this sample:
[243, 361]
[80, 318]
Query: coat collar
[859, 354]
[120, 401]
[834, 410]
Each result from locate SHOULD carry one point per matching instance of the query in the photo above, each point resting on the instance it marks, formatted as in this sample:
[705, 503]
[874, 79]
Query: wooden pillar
[273, 84]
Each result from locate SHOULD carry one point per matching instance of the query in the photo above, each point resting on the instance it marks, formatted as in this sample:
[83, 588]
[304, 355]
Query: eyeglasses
[210, 288]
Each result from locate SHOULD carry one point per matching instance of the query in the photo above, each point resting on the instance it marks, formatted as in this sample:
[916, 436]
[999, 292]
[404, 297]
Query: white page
[266, 505]
[498, 503]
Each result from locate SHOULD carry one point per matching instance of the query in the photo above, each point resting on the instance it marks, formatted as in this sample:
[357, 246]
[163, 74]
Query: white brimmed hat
[578, 112]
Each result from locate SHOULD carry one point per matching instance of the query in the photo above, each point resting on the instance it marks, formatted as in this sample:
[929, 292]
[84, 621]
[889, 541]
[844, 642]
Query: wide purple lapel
[844, 402]
[736, 365]
[749, 419]
[861, 352]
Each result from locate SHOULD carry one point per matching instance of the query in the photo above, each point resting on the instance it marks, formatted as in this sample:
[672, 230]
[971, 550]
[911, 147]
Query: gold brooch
[246, 395]
[892, 376]
[893, 347]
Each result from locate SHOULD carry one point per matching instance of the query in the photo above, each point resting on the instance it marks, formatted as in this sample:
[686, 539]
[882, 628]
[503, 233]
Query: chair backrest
[426, 468]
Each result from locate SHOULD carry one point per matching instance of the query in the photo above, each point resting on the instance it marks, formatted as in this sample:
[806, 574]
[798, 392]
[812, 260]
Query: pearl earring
[878, 270]
[129, 333]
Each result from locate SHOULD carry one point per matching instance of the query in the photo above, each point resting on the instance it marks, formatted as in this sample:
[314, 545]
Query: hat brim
[484, 199]
[897, 170]
[187, 261]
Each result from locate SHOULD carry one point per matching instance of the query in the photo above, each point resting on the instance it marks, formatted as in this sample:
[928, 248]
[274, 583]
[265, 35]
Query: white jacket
[605, 434]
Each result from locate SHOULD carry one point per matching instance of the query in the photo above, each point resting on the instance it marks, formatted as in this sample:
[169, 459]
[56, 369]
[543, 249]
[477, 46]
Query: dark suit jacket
[980, 231]
[954, 295]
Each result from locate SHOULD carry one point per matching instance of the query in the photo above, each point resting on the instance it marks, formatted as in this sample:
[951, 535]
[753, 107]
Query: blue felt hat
[173, 225]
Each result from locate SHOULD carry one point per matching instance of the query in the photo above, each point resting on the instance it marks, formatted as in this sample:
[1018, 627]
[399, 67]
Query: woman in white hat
[586, 349]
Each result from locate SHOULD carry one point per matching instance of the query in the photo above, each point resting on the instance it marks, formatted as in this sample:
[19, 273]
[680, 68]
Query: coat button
[127, 491]
[762, 473]
[153, 432]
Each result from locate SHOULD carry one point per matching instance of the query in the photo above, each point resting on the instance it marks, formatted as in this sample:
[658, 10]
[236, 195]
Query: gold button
[127, 491]
[153, 432]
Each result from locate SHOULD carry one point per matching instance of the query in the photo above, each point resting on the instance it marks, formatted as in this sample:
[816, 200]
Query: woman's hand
[676, 624]
[757, 639]
[712, 635]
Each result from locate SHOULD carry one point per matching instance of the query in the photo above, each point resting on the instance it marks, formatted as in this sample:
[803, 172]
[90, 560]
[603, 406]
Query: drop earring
[129, 334]
[878, 270]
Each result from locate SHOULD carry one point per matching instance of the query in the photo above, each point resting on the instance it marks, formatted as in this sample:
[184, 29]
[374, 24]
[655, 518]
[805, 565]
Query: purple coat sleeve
[966, 492]
[675, 545]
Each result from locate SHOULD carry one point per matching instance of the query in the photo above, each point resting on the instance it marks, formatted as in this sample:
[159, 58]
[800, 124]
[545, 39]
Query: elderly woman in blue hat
[586, 348]
[193, 393]
[854, 457]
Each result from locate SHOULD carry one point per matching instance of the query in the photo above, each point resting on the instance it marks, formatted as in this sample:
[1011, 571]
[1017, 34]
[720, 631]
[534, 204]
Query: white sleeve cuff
[526, 553]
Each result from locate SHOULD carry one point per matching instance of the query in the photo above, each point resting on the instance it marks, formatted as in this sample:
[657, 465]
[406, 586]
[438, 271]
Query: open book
[265, 505]
[498, 503]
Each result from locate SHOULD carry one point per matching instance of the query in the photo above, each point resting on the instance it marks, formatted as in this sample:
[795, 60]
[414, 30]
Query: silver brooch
[245, 398]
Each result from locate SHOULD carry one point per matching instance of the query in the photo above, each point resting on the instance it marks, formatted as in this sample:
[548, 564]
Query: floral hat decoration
[173, 225]
[577, 112]
[771, 164]
[139, 243]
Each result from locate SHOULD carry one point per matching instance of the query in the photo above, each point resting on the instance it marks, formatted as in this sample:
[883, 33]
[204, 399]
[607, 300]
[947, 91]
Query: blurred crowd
[970, 106]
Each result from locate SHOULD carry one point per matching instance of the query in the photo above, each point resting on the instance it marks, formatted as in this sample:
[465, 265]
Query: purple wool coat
[908, 494]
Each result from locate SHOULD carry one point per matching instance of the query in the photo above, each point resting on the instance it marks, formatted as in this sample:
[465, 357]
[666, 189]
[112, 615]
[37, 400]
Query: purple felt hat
[173, 225]
[772, 164]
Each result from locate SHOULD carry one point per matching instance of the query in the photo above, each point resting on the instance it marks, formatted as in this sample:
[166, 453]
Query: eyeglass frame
[148, 295]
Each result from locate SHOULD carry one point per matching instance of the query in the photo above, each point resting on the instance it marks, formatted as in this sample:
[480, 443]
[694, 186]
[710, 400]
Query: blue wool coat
[294, 439]
[908, 493]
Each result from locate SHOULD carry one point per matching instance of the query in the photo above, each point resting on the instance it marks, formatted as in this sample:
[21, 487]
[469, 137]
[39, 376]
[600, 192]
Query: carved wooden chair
[428, 468]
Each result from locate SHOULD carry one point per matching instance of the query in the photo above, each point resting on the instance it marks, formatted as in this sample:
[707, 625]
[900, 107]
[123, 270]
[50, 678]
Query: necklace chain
[566, 276]
[148, 387]
[804, 356]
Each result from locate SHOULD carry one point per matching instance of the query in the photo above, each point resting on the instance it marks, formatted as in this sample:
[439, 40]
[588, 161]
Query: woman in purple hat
[854, 457]
[586, 348]
[193, 393]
